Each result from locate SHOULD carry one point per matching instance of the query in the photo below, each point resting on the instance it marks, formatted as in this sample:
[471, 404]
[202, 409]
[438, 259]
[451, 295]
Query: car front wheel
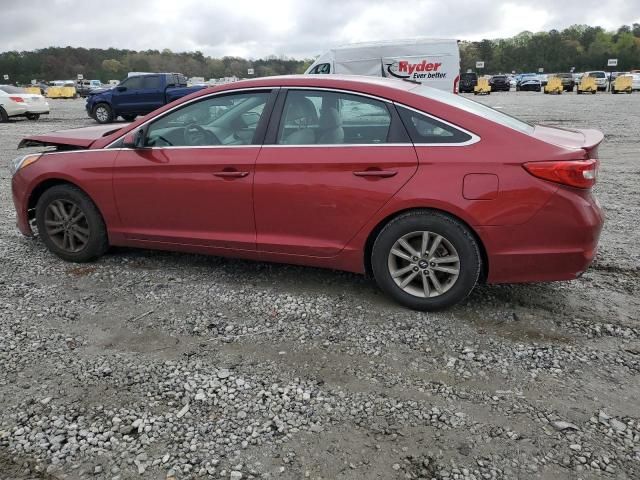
[103, 113]
[70, 224]
[426, 260]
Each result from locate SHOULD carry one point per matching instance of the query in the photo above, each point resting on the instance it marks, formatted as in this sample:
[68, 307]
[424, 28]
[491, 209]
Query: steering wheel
[195, 135]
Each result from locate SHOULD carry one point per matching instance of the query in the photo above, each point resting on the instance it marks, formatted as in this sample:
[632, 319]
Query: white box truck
[433, 62]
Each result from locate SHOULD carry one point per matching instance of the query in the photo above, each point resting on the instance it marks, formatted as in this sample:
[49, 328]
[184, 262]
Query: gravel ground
[172, 366]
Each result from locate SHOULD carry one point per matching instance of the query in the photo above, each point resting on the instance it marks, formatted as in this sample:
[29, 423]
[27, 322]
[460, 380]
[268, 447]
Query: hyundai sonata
[427, 191]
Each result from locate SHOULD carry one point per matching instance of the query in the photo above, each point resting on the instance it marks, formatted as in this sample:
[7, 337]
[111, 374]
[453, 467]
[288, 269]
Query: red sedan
[428, 191]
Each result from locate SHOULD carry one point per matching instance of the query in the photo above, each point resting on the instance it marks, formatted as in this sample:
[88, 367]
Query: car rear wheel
[3, 115]
[426, 260]
[33, 116]
[70, 224]
[103, 113]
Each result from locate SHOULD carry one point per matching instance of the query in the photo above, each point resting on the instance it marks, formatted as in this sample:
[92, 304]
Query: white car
[635, 82]
[601, 79]
[15, 102]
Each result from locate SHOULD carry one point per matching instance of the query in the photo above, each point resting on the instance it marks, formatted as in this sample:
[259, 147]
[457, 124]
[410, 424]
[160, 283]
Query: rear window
[475, 108]
[11, 89]
[597, 74]
[468, 76]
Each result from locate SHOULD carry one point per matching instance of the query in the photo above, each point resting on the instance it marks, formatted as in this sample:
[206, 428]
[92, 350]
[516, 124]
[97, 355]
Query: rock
[183, 411]
[235, 475]
[396, 466]
[561, 425]
[617, 425]
[224, 373]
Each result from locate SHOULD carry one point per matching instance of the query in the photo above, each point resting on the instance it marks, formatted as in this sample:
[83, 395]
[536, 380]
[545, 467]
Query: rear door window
[151, 82]
[323, 117]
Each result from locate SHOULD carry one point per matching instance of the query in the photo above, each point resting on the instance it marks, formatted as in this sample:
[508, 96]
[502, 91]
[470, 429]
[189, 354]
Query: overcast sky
[296, 28]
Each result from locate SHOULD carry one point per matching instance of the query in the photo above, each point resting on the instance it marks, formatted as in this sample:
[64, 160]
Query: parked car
[137, 95]
[467, 82]
[15, 102]
[428, 191]
[601, 79]
[499, 83]
[433, 62]
[529, 82]
[544, 79]
[568, 83]
[635, 82]
[85, 87]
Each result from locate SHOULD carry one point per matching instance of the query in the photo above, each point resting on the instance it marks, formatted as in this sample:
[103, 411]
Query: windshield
[597, 74]
[11, 89]
[468, 76]
[474, 107]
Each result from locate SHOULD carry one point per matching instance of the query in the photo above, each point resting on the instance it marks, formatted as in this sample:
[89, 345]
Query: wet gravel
[158, 365]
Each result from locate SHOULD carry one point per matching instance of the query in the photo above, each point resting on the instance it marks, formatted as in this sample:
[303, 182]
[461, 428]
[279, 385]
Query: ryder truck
[433, 62]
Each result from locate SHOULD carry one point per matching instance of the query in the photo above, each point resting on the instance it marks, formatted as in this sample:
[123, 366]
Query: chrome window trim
[203, 97]
[474, 138]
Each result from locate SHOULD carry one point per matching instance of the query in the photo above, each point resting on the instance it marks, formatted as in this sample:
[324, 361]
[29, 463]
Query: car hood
[96, 91]
[569, 138]
[74, 139]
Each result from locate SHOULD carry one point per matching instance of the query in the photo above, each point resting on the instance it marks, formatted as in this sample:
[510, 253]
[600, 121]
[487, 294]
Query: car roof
[355, 82]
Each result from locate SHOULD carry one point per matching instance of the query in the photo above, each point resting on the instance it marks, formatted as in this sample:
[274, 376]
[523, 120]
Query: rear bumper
[39, 109]
[558, 243]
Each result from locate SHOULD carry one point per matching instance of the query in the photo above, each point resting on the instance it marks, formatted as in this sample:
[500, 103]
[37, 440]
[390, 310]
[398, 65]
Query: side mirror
[134, 139]
[121, 89]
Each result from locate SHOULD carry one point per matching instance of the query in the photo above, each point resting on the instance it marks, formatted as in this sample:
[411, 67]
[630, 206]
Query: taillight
[574, 173]
[455, 84]
[17, 99]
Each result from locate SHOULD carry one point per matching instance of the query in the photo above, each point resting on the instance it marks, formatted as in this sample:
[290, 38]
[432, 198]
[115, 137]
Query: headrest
[330, 118]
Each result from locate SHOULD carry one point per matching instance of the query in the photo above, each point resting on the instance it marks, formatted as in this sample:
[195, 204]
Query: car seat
[301, 112]
[331, 130]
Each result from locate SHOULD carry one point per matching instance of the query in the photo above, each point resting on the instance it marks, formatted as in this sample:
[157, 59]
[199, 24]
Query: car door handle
[231, 174]
[375, 173]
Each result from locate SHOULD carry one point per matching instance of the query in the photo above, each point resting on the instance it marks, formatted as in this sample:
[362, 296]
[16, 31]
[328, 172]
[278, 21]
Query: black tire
[129, 118]
[102, 113]
[33, 116]
[452, 230]
[97, 243]
[593, 92]
[579, 92]
[3, 115]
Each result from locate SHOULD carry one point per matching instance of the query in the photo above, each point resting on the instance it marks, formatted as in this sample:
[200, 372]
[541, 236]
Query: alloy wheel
[424, 264]
[102, 114]
[66, 225]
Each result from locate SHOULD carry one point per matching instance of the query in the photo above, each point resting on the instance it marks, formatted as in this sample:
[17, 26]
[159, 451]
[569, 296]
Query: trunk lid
[73, 139]
[587, 140]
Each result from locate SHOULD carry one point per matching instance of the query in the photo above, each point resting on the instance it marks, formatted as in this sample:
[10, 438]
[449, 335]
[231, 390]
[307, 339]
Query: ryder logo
[415, 71]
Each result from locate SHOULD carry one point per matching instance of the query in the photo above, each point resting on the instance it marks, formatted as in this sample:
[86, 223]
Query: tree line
[56, 63]
[580, 46]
